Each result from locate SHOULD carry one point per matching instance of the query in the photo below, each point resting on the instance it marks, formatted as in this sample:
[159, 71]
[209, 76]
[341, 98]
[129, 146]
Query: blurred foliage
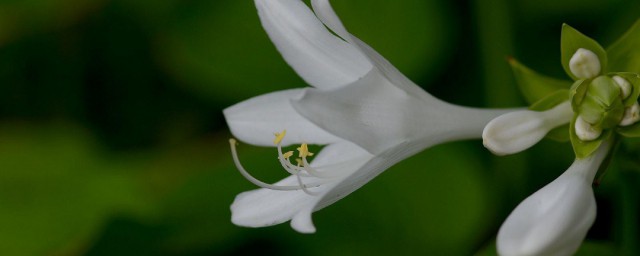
[112, 140]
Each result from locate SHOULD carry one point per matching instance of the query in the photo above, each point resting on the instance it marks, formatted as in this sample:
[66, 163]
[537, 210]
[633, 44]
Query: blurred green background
[112, 140]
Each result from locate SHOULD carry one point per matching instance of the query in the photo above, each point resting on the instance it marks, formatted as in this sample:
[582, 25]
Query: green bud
[602, 105]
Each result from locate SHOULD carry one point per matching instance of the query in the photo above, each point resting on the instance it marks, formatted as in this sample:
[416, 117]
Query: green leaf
[624, 54]
[571, 41]
[533, 85]
[582, 148]
[634, 79]
[551, 100]
[632, 131]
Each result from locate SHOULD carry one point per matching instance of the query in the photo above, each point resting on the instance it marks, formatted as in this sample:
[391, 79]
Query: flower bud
[631, 115]
[625, 86]
[584, 64]
[586, 131]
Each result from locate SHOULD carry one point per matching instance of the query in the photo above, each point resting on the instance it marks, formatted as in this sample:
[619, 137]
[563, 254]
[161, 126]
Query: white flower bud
[625, 86]
[586, 131]
[584, 64]
[631, 115]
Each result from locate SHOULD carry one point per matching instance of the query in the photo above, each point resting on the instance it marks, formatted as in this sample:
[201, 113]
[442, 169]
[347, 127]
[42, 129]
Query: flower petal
[377, 115]
[320, 58]
[255, 120]
[264, 207]
[516, 131]
[555, 219]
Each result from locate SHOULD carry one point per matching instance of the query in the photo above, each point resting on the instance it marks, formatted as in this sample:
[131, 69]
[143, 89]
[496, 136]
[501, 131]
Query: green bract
[577, 93]
[535, 86]
[571, 41]
[632, 131]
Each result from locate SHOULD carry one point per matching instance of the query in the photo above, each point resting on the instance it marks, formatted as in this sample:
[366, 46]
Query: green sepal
[551, 100]
[559, 134]
[602, 105]
[624, 54]
[631, 131]
[577, 92]
[533, 85]
[584, 149]
[634, 79]
[571, 41]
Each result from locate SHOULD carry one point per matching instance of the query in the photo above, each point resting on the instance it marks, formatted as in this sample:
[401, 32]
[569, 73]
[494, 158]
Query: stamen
[304, 187]
[284, 161]
[304, 151]
[250, 178]
[315, 172]
[279, 137]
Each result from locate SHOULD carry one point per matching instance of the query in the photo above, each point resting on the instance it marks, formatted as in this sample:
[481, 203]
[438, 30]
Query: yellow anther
[299, 160]
[287, 155]
[233, 141]
[304, 151]
[279, 137]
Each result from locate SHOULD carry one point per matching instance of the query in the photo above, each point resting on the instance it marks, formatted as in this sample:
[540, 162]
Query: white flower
[555, 219]
[368, 114]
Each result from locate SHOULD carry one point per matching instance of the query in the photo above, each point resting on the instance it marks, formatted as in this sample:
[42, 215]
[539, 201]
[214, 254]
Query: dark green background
[112, 140]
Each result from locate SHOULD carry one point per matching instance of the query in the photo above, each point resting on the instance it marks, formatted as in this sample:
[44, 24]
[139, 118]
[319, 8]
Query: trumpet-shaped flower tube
[368, 114]
[556, 218]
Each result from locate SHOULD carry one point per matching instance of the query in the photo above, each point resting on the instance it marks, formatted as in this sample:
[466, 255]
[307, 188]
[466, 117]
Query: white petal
[255, 120]
[320, 58]
[302, 222]
[517, 131]
[264, 207]
[327, 15]
[377, 115]
[555, 219]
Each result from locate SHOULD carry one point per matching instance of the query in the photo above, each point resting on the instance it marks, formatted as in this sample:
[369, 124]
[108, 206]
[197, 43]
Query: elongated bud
[586, 131]
[625, 86]
[516, 131]
[584, 64]
[631, 115]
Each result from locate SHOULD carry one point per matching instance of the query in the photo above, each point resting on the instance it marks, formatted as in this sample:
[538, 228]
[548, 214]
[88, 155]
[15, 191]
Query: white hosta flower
[368, 114]
[584, 64]
[519, 130]
[555, 219]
